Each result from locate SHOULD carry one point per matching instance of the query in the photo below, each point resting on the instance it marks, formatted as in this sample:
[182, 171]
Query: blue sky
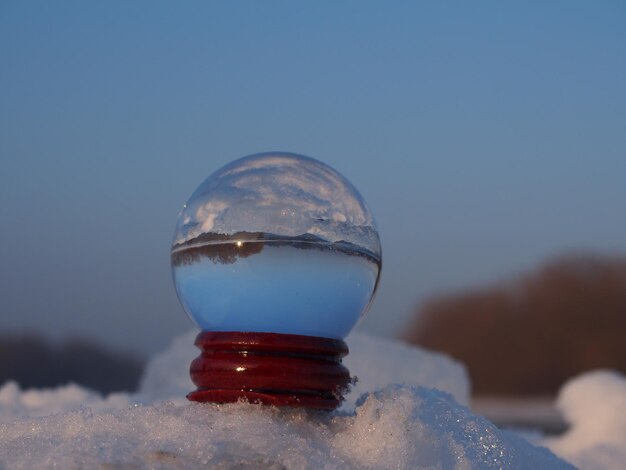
[485, 137]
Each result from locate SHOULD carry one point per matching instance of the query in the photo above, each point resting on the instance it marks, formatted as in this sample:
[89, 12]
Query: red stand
[269, 368]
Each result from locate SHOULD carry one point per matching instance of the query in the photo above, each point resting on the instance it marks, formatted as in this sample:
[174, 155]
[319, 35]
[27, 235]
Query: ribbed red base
[269, 368]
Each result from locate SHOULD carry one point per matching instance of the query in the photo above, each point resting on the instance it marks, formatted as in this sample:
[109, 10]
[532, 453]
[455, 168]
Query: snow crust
[396, 423]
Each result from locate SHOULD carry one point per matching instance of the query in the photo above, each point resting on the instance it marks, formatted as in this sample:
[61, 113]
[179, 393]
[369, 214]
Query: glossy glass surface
[278, 243]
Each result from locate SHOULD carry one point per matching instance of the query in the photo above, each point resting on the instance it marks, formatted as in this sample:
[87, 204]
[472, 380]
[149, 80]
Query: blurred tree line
[34, 363]
[529, 335]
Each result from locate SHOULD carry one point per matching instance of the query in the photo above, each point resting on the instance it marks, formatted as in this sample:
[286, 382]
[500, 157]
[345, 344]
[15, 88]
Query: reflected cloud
[279, 193]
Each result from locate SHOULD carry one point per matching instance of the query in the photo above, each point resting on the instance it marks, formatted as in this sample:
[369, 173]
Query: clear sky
[485, 136]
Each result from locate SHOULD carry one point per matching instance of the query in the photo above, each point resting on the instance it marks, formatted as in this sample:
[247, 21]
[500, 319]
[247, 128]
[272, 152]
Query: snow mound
[398, 427]
[166, 377]
[378, 362]
[594, 404]
[15, 403]
[395, 423]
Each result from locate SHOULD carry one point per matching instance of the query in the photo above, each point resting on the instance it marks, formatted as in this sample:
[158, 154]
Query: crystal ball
[278, 243]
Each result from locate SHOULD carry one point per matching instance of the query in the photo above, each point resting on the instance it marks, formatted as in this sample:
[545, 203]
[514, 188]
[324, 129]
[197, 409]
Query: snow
[398, 427]
[594, 404]
[378, 362]
[15, 403]
[396, 423]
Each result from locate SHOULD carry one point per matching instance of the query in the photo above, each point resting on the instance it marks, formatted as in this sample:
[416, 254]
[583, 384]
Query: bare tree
[529, 335]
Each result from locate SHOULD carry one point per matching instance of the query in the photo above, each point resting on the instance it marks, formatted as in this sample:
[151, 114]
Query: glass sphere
[278, 243]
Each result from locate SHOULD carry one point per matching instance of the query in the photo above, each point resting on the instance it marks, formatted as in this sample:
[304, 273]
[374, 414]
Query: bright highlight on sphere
[276, 242]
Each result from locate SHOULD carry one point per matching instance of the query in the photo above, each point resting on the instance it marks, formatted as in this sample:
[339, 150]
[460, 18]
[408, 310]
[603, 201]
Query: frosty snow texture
[395, 426]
